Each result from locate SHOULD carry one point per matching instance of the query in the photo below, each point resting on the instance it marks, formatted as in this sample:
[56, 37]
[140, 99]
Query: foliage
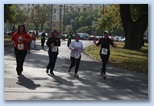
[38, 16]
[82, 19]
[9, 13]
[109, 20]
[43, 12]
[135, 21]
[138, 10]
[20, 17]
[68, 28]
[84, 29]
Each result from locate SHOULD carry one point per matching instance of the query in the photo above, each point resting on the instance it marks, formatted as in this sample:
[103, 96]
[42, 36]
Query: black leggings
[68, 42]
[52, 61]
[42, 42]
[105, 59]
[20, 58]
[75, 62]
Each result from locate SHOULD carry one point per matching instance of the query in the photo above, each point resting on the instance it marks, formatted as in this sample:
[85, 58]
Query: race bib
[104, 51]
[54, 49]
[20, 46]
[76, 55]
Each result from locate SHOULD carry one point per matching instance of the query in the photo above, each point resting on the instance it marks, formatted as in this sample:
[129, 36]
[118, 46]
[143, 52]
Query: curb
[84, 52]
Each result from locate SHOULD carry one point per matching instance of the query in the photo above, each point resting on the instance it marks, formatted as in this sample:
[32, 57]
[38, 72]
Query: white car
[122, 39]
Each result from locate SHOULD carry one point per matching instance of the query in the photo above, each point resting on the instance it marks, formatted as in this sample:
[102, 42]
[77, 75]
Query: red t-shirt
[33, 36]
[18, 41]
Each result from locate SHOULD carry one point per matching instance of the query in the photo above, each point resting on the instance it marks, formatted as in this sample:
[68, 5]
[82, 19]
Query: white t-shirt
[76, 45]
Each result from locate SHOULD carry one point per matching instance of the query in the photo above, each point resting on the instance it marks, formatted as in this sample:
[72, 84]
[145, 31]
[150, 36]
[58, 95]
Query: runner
[42, 39]
[33, 45]
[104, 51]
[20, 40]
[53, 43]
[76, 48]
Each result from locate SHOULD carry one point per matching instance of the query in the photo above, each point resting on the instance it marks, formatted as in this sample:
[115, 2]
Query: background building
[56, 13]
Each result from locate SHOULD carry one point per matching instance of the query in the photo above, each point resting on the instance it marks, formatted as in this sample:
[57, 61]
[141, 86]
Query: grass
[7, 38]
[123, 58]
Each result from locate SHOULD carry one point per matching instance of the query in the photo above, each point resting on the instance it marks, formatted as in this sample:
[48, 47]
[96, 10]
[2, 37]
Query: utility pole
[91, 19]
[103, 9]
[60, 17]
[51, 8]
[64, 20]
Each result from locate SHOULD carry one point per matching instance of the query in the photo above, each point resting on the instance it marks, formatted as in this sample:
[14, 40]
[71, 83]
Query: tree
[43, 13]
[109, 19]
[21, 18]
[135, 21]
[9, 13]
[84, 29]
[68, 28]
[35, 17]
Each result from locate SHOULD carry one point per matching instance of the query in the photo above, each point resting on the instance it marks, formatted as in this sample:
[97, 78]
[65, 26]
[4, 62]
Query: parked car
[122, 39]
[83, 36]
[9, 33]
[31, 32]
[91, 37]
[112, 38]
[63, 36]
[97, 37]
[40, 33]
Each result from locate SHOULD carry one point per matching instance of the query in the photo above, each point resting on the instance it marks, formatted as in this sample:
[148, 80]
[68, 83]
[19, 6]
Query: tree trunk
[131, 37]
[41, 27]
[133, 30]
[129, 27]
[13, 29]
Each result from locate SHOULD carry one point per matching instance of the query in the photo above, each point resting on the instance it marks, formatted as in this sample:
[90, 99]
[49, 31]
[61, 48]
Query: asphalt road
[121, 84]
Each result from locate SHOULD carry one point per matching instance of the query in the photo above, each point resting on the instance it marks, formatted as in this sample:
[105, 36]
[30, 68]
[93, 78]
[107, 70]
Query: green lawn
[7, 38]
[128, 59]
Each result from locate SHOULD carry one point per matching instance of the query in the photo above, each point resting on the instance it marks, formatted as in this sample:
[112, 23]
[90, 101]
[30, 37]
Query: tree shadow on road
[26, 82]
[61, 81]
[124, 81]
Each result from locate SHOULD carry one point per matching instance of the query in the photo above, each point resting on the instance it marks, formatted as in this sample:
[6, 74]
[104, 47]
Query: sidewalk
[120, 84]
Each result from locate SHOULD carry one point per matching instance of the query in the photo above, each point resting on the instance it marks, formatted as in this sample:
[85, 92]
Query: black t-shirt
[43, 36]
[105, 43]
[53, 40]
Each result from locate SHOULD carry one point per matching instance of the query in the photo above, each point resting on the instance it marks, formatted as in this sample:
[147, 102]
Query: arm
[59, 42]
[82, 47]
[113, 44]
[13, 39]
[49, 42]
[97, 44]
[28, 39]
[71, 46]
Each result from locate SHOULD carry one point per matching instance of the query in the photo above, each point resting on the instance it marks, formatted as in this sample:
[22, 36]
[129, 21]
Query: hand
[94, 41]
[75, 49]
[24, 39]
[115, 45]
[51, 45]
[82, 50]
[13, 42]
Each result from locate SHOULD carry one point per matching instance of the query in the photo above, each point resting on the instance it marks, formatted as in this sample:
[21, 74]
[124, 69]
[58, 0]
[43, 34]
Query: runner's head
[21, 29]
[55, 33]
[77, 37]
[105, 34]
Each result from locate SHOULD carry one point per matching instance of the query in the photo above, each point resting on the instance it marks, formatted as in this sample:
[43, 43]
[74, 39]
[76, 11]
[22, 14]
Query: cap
[54, 31]
[106, 32]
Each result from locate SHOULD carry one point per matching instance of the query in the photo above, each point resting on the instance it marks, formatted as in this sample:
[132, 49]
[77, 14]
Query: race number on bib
[54, 49]
[76, 55]
[20, 46]
[104, 51]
